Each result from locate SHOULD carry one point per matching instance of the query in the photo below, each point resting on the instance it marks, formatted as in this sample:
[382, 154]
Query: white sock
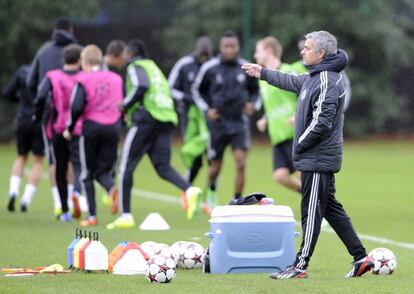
[56, 197]
[71, 188]
[14, 186]
[186, 174]
[28, 194]
[70, 192]
[127, 215]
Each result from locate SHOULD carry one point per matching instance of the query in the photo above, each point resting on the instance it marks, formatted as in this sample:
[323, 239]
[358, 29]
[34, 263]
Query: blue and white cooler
[250, 239]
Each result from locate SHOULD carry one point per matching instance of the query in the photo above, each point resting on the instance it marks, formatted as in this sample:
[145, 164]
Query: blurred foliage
[24, 26]
[374, 33]
[377, 34]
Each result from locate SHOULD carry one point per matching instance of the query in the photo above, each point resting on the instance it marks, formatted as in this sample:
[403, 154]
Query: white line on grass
[175, 200]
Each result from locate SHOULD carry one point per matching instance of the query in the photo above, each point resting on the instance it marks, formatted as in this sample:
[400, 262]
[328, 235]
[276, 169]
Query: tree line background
[377, 34]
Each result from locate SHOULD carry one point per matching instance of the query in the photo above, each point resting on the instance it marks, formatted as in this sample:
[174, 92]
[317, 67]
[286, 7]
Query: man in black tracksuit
[226, 94]
[317, 147]
[29, 139]
[49, 57]
[181, 80]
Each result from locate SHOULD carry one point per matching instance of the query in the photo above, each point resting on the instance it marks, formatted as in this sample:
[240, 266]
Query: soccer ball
[160, 269]
[385, 261]
[165, 250]
[158, 247]
[148, 248]
[192, 256]
[178, 249]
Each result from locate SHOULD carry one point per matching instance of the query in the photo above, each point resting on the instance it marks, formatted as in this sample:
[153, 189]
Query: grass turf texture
[375, 187]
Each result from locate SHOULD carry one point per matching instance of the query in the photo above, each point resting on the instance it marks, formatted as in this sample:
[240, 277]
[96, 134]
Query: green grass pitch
[375, 186]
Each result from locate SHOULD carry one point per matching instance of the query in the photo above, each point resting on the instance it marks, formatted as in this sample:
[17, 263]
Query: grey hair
[324, 40]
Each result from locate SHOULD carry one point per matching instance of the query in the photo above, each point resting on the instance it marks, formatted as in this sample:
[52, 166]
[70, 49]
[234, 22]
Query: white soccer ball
[385, 261]
[178, 249]
[160, 269]
[149, 248]
[160, 247]
[192, 256]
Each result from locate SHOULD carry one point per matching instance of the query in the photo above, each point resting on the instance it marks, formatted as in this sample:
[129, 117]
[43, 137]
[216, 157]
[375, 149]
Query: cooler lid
[258, 213]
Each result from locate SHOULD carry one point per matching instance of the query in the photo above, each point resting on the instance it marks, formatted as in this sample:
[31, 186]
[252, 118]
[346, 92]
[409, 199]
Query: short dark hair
[72, 53]
[229, 34]
[63, 23]
[136, 47]
[115, 47]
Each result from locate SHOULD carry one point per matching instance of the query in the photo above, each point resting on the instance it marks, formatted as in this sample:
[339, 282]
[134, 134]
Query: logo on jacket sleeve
[191, 76]
[241, 78]
[219, 79]
[303, 94]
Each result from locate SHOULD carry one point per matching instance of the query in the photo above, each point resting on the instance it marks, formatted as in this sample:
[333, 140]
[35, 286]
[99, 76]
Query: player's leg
[283, 169]
[71, 183]
[217, 143]
[137, 143]
[315, 193]
[61, 148]
[23, 149]
[88, 156]
[342, 225]
[240, 142]
[106, 160]
[240, 156]
[15, 180]
[37, 147]
[195, 168]
[160, 155]
[74, 158]
[51, 172]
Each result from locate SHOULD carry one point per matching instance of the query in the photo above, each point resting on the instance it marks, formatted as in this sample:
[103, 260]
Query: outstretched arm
[289, 82]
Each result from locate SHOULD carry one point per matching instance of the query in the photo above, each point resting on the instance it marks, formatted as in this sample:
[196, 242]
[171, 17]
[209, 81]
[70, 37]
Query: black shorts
[29, 138]
[221, 137]
[282, 156]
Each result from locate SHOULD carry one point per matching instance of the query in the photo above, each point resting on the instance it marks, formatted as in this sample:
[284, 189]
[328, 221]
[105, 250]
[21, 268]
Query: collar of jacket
[234, 61]
[63, 38]
[333, 62]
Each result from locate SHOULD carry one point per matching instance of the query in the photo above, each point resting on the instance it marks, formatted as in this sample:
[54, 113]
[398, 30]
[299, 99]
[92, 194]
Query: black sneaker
[23, 207]
[291, 272]
[360, 267]
[10, 206]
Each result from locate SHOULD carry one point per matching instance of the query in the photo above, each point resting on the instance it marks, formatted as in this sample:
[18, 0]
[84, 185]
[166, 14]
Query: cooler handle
[209, 235]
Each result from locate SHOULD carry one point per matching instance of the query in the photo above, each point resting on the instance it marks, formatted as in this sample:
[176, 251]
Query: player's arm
[32, 79]
[176, 82]
[78, 104]
[200, 90]
[43, 97]
[289, 82]
[254, 103]
[325, 107]
[12, 88]
[140, 84]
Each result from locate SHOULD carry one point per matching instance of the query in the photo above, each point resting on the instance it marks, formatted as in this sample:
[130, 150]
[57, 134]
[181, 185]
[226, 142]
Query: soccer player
[192, 122]
[49, 57]
[226, 94]
[28, 137]
[280, 107]
[95, 98]
[151, 119]
[317, 148]
[114, 59]
[57, 87]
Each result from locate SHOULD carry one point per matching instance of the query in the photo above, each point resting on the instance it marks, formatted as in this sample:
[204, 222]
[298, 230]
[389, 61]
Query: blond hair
[92, 55]
[274, 44]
